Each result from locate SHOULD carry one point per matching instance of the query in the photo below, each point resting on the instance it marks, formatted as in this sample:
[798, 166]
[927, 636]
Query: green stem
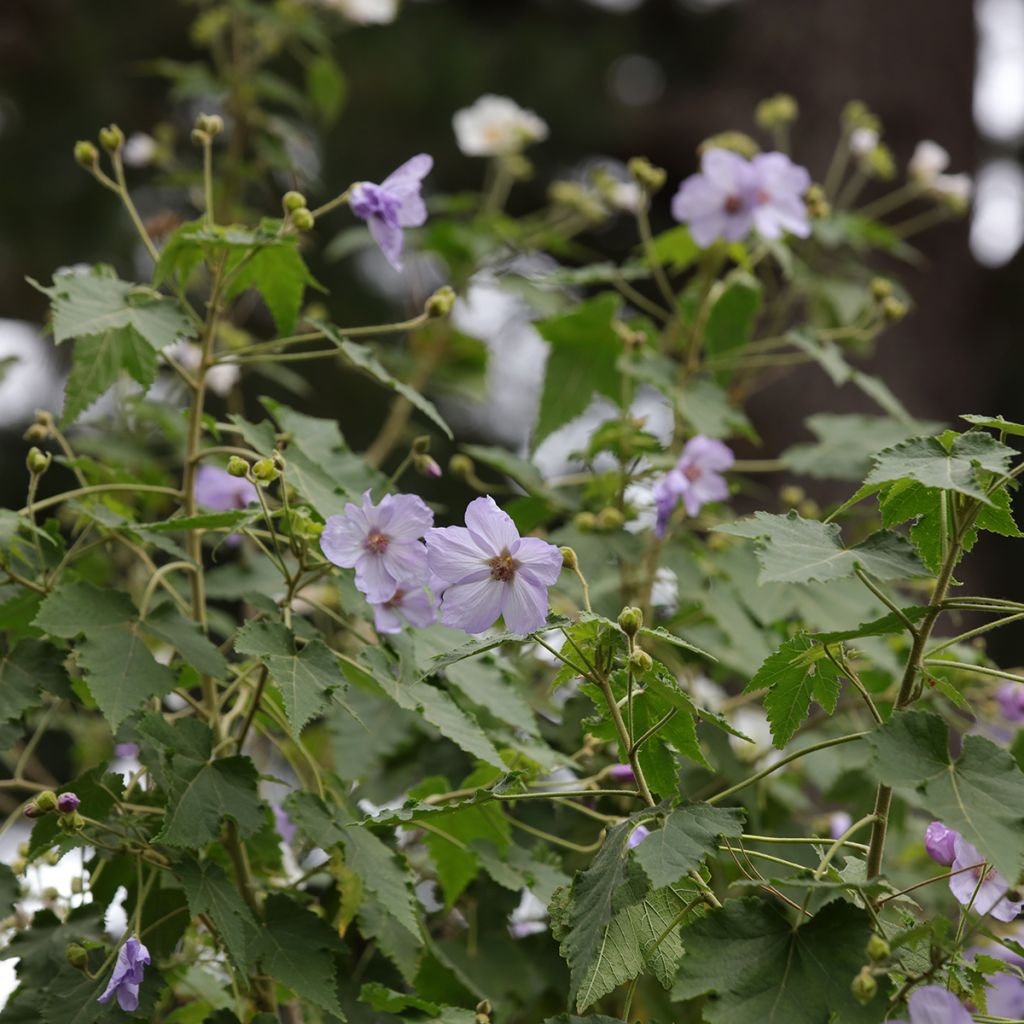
[80, 492]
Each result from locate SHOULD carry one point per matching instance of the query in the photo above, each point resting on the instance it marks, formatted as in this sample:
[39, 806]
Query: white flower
[863, 141]
[957, 187]
[366, 12]
[928, 162]
[529, 918]
[220, 379]
[665, 592]
[496, 126]
[139, 150]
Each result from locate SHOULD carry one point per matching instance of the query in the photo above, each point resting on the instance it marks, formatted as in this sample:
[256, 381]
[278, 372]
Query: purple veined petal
[524, 604]
[413, 212]
[728, 171]
[405, 516]
[708, 452]
[933, 1004]
[543, 560]
[491, 528]
[986, 897]
[418, 608]
[127, 975]
[406, 560]
[390, 238]
[453, 556]
[779, 176]
[696, 199]
[407, 179]
[374, 580]
[472, 607]
[342, 541]
[386, 618]
[940, 843]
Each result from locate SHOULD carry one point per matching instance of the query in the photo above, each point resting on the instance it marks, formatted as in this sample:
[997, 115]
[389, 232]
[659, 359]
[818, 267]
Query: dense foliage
[720, 767]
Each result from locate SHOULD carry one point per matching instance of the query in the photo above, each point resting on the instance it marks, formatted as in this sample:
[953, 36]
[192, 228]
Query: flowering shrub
[607, 740]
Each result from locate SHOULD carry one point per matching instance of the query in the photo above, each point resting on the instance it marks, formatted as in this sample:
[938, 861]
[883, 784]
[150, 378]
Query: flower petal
[390, 239]
[405, 516]
[454, 556]
[934, 1004]
[543, 560]
[492, 529]
[472, 606]
[525, 603]
[374, 580]
[342, 541]
[417, 607]
[405, 181]
[385, 619]
[406, 560]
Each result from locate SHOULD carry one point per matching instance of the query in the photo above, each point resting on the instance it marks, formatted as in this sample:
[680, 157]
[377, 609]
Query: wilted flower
[392, 205]
[928, 162]
[983, 888]
[381, 542]
[486, 569]
[934, 1004]
[132, 959]
[217, 489]
[940, 842]
[68, 802]
[695, 479]
[412, 605]
[1010, 697]
[639, 834]
[496, 126]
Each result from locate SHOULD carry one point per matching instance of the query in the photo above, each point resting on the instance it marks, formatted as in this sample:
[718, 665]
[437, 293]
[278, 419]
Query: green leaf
[583, 361]
[279, 273]
[730, 322]
[708, 408]
[79, 607]
[995, 423]
[296, 947]
[760, 969]
[796, 673]
[166, 623]
[327, 87]
[676, 248]
[980, 793]
[927, 460]
[362, 357]
[96, 365]
[660, 633]
[209, 891]
[792, 549]
[688, 835]
[32, 666]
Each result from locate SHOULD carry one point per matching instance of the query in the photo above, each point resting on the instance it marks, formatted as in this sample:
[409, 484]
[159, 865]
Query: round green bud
[818, 206]
[893, 310]
[864, 986]
[585, 521]
[23, 849]
[877, 948]
[420, 445]
[198, 138]
[210, 124]
[77, 956]
[87, 154]
[293, 201]
[881, 162]
[809, 509]
[631, 620]
[237, 466]
[881, 288]
[46, 801]
[650, 178]
[792, 495]
[50, 894]
[640, 661]
[461, 466]
[610, 518]
[38, 462]
[53, 858]
[737, 142]
[37, 432]
[303, 219]
[19, 866]
[569, 559]
[265, 471]
[111, 138]
[440, 303]
[776, 111]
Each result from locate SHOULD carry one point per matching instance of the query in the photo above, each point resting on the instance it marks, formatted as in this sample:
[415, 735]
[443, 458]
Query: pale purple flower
[639, 834]
[126, 750]
[940, 842]
[1010, 698]
[993, 892]
[217, 489]
[485, 569]
[1005, 996]
[621, 773]
[392, 205]
[132, 959]
[381, 542]
[529, 918]
[732, 196]
[839, 823]
[283, 824]
[695, 479]
[68, 802]
[410, 605]
[934, 1004]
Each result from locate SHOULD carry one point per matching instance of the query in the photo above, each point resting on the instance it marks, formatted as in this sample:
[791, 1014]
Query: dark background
[69, 66]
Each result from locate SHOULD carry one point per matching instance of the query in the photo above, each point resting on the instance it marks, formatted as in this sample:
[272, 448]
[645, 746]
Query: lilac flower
[412, 605]
[392, 205]
[639, 834]
[381, 542]
[933, 1004]
[1005, 996]
[940, 841]
[132, 960]
[485, 569]
[283, 824]
[732, 196]
[68, 802]
[621, 773]
[695, 478]
[1010, 698]
[993, 893]
[839, 823]
[217, 489]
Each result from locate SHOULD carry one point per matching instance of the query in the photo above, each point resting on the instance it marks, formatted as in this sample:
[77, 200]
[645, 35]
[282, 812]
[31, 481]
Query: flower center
[503, 568]
[733, 204]
[762, 197]
[396, 600]
[369, 200]
[377, 542]
[692, 473]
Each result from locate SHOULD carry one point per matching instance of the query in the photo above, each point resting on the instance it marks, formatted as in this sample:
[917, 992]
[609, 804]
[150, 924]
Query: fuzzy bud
[111, 138]
[650, 178]
[461, 466]
[440, 303]
[68, 802]
[303, 219]
[420, 445]
[53, 858]
[631, 620]
[237, 466]
[292, 201]
[569, 559]
[893, 310]
[38, 462]
[736, 142]
[426, 465]
[585, 521]
[36, 432]
[640, 661]
[76, 884]
[264, 471]
[33, 811]
[77, 956]
[87, 154]
[881, 288]
[72, 822]
[210, 125]
[776, 111]
[610, 518]
[864, 986]
[877, 948]
[483, 1012]
[47, 801]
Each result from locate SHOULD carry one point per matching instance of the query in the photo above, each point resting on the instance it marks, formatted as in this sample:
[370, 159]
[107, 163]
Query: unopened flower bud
[72, 822]
[646, 175]
[211, 124]
[76, 884]
[776, 111]
[38, 462]
[483, 1012]
[53, 858]
[881, 163]
[19, 866]
[198, 138]
[426, 465]
[610, 518]
[293, 201]
[631, 620]
[420, 445]
[77, 956]
[440, 303]
[818, 206]
[47, 801]
[86, 154]
[23, 849]
[264, 471]
[585, 521]
[33, 811]
[36, 432]
[893, 309]
[576, 198]
[877, 948]
[864, 986]
[856, 114]
[111, 138]
[461, 466]
[303, 219]
[792, 495]
[881, 288]
[68, 802]
[737, 142]
[640, 661]
[569, 559]
[809, 508]
[237, 466]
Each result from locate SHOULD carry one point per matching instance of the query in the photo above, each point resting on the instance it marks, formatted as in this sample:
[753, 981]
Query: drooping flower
[638, 835]
[410, 605]
[928, 162]
[484, 570]
[381, 542]
[68, 802]
[217, 489]
[695, 479]
[983, 888]
[132, 959]
[496, 126]
[940, 842]
[1010, 698]
[393, 205]
[934, 1004]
